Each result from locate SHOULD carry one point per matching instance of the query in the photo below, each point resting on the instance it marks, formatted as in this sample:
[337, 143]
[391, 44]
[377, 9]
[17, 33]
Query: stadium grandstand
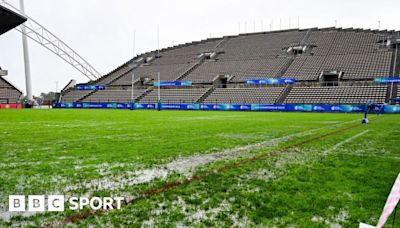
[330, 65]
[9, 94]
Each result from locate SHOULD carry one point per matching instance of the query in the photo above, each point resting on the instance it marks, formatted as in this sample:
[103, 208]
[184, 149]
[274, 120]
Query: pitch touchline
[346, 141]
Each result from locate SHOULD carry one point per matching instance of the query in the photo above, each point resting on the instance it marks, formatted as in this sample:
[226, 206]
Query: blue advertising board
[243, 107]
[145, 106]
[268, 107]
[174, 83]
[226, 107]
[387, 80]
[93, 105]
[299, 108]
[391, 109]
[181, 106]
[171, 106]
[235, 107]
[271, 81]
[206, 107]
[90, 87]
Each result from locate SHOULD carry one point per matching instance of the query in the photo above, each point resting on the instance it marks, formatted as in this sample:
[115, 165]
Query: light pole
[28, 80]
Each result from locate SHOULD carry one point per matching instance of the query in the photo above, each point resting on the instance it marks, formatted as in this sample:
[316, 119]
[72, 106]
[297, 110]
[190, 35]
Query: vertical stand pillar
[28, 81]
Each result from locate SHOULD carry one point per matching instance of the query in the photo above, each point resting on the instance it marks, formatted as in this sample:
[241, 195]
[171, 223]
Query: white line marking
[336, 146]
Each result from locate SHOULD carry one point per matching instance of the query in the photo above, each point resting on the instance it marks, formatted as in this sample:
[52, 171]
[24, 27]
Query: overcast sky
[102, 31]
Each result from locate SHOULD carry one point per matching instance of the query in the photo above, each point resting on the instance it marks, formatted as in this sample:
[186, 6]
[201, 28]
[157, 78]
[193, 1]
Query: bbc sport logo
[51, 203]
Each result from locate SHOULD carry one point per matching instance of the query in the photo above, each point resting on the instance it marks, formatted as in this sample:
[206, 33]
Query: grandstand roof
[9, 20]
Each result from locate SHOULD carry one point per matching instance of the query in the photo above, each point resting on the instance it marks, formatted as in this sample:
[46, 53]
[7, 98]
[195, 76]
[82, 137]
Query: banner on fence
[235, 107]
[386, 80]
[174, 83]
[145, 106]
[271, 81]
[90, 87]
[267, 107]
[93, 105]
[181, 106]
[391, 109]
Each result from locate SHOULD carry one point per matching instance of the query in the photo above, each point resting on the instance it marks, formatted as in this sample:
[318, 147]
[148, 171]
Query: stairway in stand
[284, 94]
[205, 95]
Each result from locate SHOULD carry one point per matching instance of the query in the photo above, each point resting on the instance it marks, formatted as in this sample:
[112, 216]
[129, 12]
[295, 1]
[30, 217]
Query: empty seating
[172, 64]
[354, 66]
[174, 96]
[305, 67]
[207, 71]
[360, 66]
[357, 53]
[360, 55]
[112, 95]
[191, 49]
[74, 95]
[264, 95]
[268, 44]
[4, 84]
[339, 42]
[336, 95]
[8, 93]
[113, 75]
[242, 69]
[352, 42]
[168, 72]
[263, 68]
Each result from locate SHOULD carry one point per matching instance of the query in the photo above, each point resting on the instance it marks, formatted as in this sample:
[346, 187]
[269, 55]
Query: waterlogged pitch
[200, 168]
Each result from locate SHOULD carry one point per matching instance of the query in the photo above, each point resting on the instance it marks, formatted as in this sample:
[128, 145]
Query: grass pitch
[337, 180]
